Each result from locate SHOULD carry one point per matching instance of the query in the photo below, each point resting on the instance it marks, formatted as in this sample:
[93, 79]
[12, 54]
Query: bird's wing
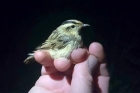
[62, 41]
[55, 41]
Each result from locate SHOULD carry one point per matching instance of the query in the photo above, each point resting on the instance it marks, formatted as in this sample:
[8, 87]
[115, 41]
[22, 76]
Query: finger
[96, 49]
[103, 70]
[82, 78]
[79, 55]
[44, 58]
[102, 78]
[62, 64]
[103, 82]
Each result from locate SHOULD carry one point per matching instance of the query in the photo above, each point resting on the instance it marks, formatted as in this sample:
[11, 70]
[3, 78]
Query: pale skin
[88, 75]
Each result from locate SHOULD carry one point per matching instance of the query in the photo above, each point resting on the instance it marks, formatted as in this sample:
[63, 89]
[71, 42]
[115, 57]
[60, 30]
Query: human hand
[88, 75]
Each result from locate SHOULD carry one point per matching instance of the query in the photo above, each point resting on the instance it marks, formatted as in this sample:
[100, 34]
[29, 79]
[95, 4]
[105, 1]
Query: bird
[63, 40]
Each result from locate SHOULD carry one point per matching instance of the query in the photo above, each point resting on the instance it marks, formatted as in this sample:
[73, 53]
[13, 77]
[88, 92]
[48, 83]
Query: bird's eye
[73, 26]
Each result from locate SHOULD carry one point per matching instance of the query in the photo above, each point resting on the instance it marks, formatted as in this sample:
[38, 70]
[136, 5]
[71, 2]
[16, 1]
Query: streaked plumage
[62, 41]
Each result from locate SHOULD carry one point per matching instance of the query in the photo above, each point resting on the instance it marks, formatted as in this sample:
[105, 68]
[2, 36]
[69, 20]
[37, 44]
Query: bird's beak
[84, 25]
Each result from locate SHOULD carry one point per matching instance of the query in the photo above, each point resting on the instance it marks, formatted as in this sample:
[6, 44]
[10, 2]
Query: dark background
[26, 24]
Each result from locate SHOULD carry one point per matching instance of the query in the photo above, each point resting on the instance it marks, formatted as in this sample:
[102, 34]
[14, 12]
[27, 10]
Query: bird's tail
[30, 58]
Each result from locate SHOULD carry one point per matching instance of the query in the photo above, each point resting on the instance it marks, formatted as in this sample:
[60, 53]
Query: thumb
[82, 78]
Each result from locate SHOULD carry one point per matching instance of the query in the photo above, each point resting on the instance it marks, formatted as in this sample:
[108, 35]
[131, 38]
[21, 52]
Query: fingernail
[92, 63]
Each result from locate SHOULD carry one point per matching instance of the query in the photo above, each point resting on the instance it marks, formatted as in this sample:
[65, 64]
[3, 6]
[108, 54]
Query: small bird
[62, 41]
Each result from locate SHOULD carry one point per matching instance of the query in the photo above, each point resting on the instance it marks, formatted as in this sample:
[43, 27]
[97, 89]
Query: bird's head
[72, 26]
